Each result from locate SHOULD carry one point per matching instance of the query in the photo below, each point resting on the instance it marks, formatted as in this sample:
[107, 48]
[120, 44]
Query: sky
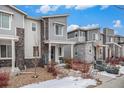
[84, 16]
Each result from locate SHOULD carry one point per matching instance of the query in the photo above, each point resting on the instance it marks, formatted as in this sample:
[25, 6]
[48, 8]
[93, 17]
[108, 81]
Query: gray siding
[17, 20]
[52, 34]
[84, 51]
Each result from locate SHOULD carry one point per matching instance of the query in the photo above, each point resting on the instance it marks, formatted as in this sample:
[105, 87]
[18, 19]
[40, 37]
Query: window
[100, 51]
[110, 39]
[60, 51]
[95, 36]
[35, 51]
[90, 49]
[76, 51]
[0, 20]
[76, 34]
[82, 33]
[58, 29]
[5, 51]
[33, 27]
[4, 21]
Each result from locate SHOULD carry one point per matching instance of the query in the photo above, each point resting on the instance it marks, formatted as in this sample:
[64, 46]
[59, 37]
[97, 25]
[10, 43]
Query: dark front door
[95, 52]
[53, 53]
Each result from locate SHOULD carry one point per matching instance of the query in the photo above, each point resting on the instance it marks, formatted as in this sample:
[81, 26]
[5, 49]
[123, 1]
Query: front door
[53, 53]
[61, 54]
[95, 52]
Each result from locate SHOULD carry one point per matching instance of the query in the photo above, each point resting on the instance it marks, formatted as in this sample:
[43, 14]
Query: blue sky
[83, 16]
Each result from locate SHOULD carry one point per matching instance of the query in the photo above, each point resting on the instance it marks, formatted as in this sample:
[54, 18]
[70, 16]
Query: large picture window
[58, 29]
[5, 51]
[4, 21]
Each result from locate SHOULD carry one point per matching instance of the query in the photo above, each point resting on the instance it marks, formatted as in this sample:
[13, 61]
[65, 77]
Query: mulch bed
[26, 78]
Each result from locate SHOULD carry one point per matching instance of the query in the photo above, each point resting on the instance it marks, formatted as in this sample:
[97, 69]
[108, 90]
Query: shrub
[68, 63]
[112, 70]
[4, 79]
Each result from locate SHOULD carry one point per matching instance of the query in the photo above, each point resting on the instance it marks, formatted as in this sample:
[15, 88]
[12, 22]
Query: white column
[62, 51]
[79, 35]
[13, 55]
[56, 53]
[72, 46]
[49, 54]
[119, 51]
[106, 52]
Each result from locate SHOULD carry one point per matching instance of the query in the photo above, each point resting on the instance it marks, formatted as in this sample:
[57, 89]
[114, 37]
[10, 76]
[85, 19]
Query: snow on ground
[108, 74]
[121, 70]
[66, 82]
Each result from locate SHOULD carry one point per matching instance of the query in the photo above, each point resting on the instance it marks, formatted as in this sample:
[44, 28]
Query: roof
[17, 9]
[86, 42]
[50, 16]
[37, 19]
[119, 36]
[84, 29]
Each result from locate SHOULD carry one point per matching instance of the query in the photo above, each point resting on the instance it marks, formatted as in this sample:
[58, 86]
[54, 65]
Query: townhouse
[23, 38]
[92, 44]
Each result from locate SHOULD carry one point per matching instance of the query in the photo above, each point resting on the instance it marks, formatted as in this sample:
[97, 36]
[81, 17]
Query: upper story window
[95, 36]
[59, 29]
[110, 39]
[82, 34]
[5, 20]
[76, 34]
[34, 26]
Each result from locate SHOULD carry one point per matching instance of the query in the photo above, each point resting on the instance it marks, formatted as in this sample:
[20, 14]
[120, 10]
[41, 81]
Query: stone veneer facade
[19, 49]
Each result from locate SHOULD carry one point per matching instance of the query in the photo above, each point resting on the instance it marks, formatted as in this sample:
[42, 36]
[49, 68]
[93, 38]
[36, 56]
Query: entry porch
[55, 50]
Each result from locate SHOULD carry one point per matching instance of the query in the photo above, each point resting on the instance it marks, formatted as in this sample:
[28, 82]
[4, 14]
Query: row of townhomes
[23, 38]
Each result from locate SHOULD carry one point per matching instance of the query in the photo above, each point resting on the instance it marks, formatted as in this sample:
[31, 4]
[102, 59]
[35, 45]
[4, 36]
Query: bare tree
[35, 61]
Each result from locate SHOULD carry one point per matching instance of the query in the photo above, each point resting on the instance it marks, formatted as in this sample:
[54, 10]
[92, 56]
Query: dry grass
[26, 78]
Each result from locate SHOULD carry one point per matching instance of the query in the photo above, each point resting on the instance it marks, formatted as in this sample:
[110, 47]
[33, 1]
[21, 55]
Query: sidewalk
[108, 82]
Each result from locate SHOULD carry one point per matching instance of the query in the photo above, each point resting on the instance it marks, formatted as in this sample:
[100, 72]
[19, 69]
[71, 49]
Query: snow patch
[108, 74]
[121, 70]
[66, 82]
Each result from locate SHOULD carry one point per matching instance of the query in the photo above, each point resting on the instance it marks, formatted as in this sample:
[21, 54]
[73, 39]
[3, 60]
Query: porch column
[56, 53]
[106, 52]
[79, 35]
[49, 54]
[72, 46]
[119, 51]
[13, 55]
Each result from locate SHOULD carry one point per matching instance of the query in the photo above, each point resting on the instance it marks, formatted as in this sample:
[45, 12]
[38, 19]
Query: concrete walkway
[108, 82]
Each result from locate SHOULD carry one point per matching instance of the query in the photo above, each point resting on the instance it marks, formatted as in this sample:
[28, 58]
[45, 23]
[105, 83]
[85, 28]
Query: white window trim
[96, 37]
[62, 51]
[36, 26]
[6, 53]
[39, 53]
[76, 33]
[59, 23]
[10, 22]
[55, 30]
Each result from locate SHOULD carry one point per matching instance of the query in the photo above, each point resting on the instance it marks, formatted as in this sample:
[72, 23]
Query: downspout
[44, 21]
[43, 55]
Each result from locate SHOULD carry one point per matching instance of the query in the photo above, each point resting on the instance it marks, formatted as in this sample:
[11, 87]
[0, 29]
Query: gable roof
[13, 7]
[83, 29]
[50, 16]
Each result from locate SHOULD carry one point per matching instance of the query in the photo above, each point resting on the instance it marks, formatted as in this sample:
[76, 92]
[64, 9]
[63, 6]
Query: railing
[78, 39]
